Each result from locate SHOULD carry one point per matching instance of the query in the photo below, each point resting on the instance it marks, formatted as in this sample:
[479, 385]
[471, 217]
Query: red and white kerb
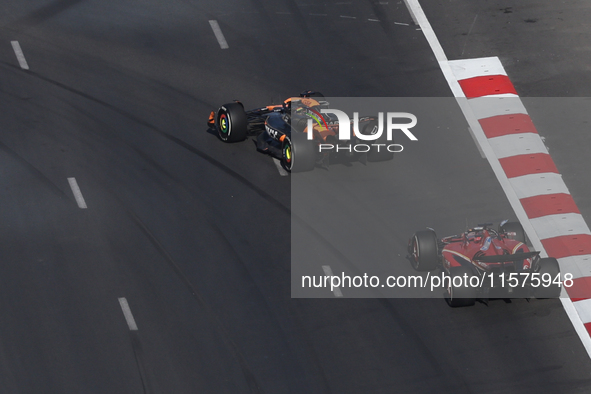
[530, 172]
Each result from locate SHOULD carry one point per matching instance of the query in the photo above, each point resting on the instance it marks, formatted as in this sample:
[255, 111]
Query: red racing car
[491, 264]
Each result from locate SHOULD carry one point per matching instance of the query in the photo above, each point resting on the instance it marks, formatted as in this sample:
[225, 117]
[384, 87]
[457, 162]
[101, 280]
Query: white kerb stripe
[486, 107]
[127, 313]
[563, 224]
[328, 272]
[509, 95]
[517, 144]
[218, 34]
[538, 184]
[20, 56]
[578, 266]
[77, 193]
[482, 67]
[583, 308]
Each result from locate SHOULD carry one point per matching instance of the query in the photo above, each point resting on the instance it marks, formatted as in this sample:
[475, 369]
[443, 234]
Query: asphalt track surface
[195, 234]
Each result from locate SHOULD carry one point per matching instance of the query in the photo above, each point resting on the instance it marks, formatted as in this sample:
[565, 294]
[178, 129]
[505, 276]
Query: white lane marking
[551, 226]
[127, 313]
[418, 14]
[575, 319]
[470, 68]
[419, 17]
[282, 171]
[517, 144]
[77, 193]
[487, 107]
[218, 34]
[20, 56]
[402, 24]
[348, 17]
[578, 266]
[535, 185]
[373, 20]
[328, 272]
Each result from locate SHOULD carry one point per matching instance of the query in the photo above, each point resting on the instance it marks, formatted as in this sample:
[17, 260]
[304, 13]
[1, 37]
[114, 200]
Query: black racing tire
[550, 266]
[515, 231]
[231, 122]
[379, 152]
[298, 153]
[424, 255]
[464, 295]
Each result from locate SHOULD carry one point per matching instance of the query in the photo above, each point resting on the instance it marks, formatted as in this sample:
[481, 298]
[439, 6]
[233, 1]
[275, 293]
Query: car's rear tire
[548, 266]
[423, 251]
[379, 152]
[463, 295]
[514, 230]
[231, 122]
[298, 153]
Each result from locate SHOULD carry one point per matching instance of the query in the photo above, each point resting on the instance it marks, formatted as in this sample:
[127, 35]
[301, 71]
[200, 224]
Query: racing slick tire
[298, 153]
[516, 228]
[380, 152]
[422, 247]
[548, 266]
[463, 295]
[231, 122]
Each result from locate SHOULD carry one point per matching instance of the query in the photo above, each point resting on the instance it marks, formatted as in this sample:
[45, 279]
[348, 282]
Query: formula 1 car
[493, 264]
[282, 131]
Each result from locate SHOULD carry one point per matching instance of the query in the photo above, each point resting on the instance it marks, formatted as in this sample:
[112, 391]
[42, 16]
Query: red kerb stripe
[528, 164]
[580, 289]
[568, 245]
[500, 125]
[549, 204]
[487, 85]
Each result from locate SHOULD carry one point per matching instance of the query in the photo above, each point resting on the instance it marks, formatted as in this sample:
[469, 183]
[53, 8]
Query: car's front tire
[423, 250]
[231, 122]
[298, 154]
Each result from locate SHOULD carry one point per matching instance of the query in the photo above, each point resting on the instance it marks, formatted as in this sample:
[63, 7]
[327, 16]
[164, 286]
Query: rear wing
[504, 258]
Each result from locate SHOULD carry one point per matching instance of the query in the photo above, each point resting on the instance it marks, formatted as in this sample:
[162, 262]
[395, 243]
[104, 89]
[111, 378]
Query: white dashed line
[282, 171]
[218, 34]
[127, 313]
[328, 272]
[373, 20]
[348, 17]
[20, 56]
[402, 24]
[77, 193]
